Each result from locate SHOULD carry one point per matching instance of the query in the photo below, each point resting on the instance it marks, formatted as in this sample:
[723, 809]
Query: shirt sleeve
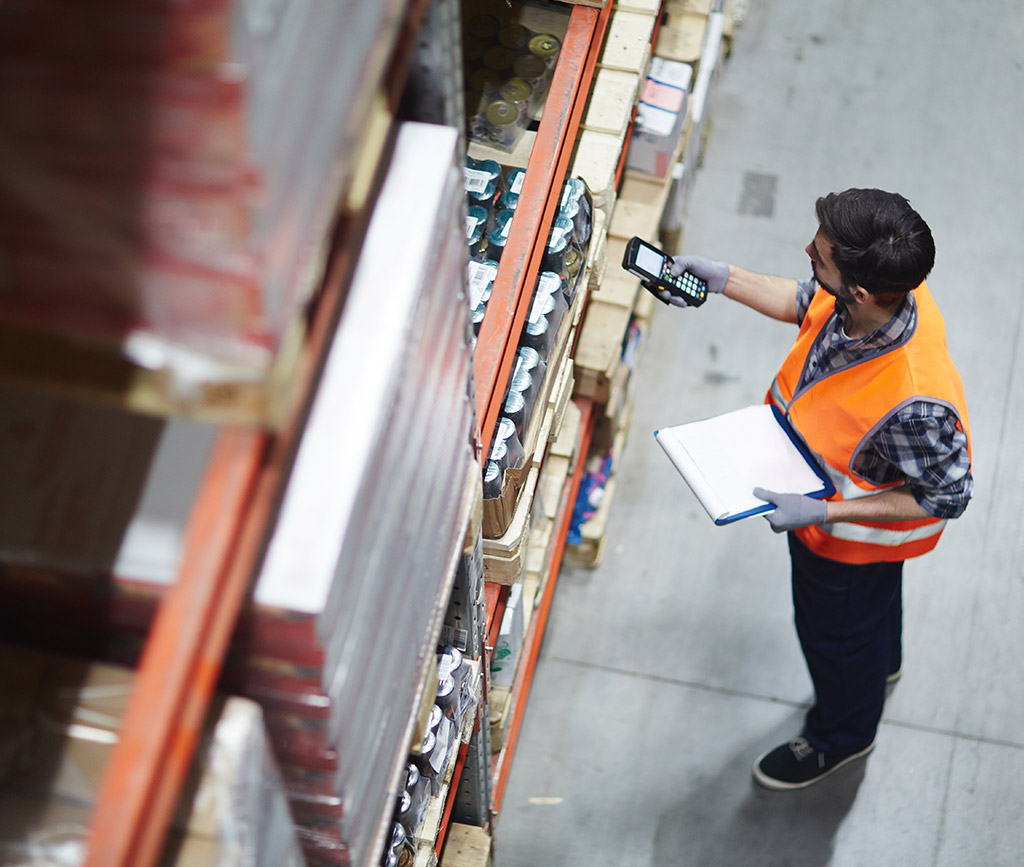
[927, 444]
[805, 290]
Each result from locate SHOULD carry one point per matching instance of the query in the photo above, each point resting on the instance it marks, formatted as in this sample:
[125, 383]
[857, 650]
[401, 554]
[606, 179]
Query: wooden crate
[596, 255]
[698, 7]
[627, 44]
[639, 206]
[425, 856]
[644, 7]
[612, 100]
[682, 36]
[466, 846]
[499, 706]
[518, 157]
[595, 161]
[505, 557]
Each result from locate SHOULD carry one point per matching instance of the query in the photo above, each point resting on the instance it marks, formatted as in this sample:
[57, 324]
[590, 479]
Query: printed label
[476, 180]
[455, 637]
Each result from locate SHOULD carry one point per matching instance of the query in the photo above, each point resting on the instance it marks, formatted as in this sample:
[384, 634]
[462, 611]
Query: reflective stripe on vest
[837, 415]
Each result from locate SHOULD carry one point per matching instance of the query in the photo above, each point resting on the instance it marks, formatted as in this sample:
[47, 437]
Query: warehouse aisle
[670, 667]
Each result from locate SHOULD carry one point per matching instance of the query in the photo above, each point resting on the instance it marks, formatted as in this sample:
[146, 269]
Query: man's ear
[861, 295]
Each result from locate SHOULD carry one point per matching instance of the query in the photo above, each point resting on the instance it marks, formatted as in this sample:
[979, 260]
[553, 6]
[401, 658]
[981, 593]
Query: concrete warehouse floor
[671, 666]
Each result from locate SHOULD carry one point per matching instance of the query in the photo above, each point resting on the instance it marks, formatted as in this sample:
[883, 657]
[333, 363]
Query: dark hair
[879, 242]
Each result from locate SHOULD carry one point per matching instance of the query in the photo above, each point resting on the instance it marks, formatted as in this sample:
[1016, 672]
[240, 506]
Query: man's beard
[842, 294]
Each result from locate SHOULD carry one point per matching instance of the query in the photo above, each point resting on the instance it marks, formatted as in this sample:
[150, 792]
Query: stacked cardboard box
[350, 598]
[170, 170]
[59, 722]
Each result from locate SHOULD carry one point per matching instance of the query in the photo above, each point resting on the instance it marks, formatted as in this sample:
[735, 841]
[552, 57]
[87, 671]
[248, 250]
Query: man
[870, 387]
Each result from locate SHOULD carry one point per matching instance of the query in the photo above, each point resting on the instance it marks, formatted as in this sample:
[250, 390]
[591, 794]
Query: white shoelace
[803, 750]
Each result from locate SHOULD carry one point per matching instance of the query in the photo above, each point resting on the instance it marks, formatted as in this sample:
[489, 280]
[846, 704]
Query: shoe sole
[762, 779]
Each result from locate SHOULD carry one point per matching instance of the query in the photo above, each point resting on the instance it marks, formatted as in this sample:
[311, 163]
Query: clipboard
[723, 458]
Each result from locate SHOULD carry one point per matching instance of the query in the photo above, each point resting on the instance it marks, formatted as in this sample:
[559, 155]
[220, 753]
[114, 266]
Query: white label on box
[476, 180]
[656, 121]
[670, 72]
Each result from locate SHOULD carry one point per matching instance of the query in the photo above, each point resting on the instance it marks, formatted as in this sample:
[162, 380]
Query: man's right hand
[715, 274]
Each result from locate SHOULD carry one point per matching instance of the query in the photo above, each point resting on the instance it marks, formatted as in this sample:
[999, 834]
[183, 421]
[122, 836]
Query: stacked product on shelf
[170, 171]
[59, 722]
[426, 780]
[352, 591]
[554, 292]
[507, 69]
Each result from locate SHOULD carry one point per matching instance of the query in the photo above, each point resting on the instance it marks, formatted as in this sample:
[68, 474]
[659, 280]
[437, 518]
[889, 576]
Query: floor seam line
[769, 699]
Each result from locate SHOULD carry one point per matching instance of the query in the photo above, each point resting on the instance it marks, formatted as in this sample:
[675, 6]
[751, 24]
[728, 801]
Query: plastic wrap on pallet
[354, 579]
[354, 575]
[507, 69]
[58, 726]
[465, 617]
[163, 169]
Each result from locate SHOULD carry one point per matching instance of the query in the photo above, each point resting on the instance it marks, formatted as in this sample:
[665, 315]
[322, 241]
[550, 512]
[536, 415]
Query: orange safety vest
[838, 415]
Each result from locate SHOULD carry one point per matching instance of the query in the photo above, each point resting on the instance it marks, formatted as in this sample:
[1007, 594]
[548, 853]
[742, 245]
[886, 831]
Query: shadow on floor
[730, 821]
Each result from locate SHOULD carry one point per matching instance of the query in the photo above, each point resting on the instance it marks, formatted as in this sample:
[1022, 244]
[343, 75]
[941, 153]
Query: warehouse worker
[870, 387]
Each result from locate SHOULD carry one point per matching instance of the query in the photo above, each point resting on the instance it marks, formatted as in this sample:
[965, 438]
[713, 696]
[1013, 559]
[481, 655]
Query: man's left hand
[792, 511]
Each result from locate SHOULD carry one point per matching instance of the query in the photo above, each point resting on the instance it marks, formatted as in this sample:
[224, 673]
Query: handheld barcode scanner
[654, 268]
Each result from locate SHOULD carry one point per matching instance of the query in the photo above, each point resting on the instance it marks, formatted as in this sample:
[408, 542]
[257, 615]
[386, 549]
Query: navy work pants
[849, 619]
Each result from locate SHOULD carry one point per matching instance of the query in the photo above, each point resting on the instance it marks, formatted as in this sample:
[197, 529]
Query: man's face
[825, 270]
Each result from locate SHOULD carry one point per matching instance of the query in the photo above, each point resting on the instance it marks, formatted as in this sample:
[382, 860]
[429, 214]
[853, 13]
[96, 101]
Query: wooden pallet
[627, 45]
[645, 7]
[466, 846]
[682, 36]
[612, 99]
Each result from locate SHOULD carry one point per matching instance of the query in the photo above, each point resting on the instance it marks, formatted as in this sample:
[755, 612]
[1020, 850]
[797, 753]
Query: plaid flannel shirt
[921, 443]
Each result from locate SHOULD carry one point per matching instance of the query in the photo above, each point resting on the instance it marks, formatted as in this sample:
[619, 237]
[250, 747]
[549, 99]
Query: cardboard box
[660, 117]
[505, 657]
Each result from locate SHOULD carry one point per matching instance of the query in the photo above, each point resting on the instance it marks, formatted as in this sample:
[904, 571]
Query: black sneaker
[797, 764]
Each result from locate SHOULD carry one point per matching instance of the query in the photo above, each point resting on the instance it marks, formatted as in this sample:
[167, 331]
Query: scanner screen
[648, 260]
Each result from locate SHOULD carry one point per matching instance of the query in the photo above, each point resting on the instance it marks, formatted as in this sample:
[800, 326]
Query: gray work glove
[792, 511]
[715, 274]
